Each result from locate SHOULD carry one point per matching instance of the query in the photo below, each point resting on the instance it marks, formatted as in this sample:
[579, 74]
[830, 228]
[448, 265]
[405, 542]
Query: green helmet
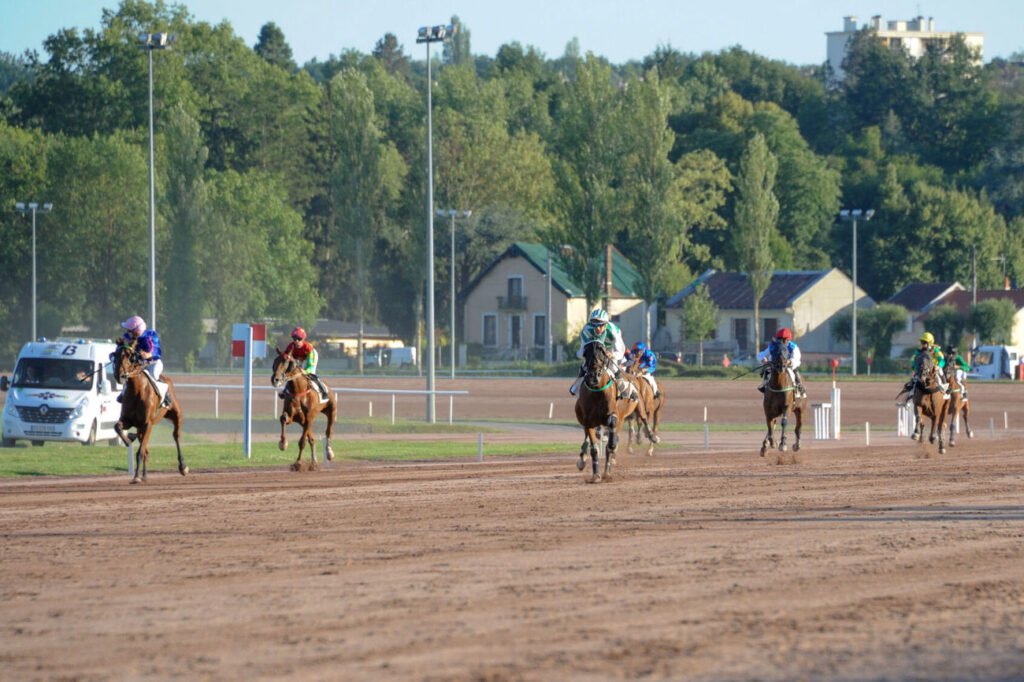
[600, 316]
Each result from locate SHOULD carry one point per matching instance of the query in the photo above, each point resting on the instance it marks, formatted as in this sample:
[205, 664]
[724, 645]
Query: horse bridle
[778, 368]
[600, 366]
[291, 372]
[135, 367]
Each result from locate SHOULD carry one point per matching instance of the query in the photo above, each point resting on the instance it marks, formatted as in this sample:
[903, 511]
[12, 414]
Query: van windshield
[983, 358]
[72, 375]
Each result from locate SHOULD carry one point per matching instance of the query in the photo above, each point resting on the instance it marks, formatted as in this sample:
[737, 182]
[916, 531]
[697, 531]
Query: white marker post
[247, 391]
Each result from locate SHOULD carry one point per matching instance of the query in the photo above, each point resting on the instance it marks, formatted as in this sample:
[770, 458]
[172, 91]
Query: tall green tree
[947, 324]
[757, 210]
[589, 144]
[273, 48]
[878, 325]
[185, 207]
[700, 317]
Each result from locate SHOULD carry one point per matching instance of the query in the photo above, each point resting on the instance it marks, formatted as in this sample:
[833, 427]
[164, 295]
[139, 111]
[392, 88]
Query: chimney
[850, 24]
[876, 22]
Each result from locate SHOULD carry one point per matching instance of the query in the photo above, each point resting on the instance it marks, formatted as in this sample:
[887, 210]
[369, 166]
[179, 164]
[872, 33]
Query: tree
[185, 204]
[388, 51]
[757, 209]
[588, 141]
[878, 325]
[273, 48]
[456, 49]
[700, 317]
[992, 320]
[946, 324]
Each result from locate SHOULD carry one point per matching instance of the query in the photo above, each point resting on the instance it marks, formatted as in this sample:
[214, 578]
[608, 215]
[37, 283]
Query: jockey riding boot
[799, 383]
[319, 385]
[576, 384]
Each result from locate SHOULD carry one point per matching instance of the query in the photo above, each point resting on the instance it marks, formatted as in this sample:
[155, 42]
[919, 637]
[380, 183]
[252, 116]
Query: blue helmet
[639, 346]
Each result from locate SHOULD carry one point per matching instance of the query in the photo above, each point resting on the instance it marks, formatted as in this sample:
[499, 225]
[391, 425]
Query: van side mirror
[5, 383]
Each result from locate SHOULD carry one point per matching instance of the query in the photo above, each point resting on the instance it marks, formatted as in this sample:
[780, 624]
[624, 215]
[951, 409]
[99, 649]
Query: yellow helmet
[927, 337]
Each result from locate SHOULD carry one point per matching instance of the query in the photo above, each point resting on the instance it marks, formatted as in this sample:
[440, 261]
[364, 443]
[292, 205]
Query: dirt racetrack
[886, 562]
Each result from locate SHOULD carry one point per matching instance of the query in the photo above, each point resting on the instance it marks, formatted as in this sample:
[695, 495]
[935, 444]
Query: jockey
[928, 346]
[147, 344]
[783, 345]
[648, 363]
[960, 369]
[303, 351]
[600, 328]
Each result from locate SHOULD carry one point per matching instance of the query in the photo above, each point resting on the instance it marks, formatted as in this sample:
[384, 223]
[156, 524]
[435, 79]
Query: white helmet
[600, 316]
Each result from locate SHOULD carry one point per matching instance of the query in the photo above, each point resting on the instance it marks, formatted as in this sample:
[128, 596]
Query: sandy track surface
[886, 562]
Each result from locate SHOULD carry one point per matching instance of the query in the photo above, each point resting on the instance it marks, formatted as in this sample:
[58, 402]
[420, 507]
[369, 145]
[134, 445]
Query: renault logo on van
[44, 410]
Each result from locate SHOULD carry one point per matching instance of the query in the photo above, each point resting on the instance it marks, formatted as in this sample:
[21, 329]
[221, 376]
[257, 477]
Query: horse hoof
[183, 471]
[931, 439]
[763, 450]
[656, 439]
[136, 480]
[594, 479]
[942, 450]
[796, 447]
[970, 434]
[783, 447]
[282, 445]
[915, 437]
[330, 455]
[580, 464]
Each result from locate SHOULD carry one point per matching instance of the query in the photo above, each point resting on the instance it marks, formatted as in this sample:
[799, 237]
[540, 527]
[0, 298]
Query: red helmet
[299, 334]
[784, 333]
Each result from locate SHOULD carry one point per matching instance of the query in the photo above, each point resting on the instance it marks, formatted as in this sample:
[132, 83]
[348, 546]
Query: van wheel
[38, 443]
[8, 442]
[92, 435]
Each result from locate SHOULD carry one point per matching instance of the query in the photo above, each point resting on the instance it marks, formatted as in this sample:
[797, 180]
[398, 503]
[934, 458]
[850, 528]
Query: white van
[389, 357]
[61, 390]
[994, 362]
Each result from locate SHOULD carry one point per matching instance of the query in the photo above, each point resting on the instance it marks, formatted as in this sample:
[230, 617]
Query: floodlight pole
[452, 214]
[150, 42]
[432, 34]
[33, 207]
[854, 215]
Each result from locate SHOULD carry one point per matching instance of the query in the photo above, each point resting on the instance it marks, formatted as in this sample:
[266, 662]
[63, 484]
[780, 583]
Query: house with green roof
[505, 306]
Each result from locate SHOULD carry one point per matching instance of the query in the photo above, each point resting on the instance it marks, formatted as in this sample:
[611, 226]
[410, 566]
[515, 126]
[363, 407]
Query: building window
[515, 292]
[771, 327]
[490, 334]
[740, 333]
[515, 331]
[539, 331]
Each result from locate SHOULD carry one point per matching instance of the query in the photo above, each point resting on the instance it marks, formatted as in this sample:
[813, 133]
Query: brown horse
[929, 400]
[959, 406]
[779, 398]
[141, 408]
[302, 404]
[596, 408]
[646, 411]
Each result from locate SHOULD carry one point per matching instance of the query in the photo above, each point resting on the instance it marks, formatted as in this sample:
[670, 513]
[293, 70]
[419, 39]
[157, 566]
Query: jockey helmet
[600, 316]
[299, 334]
[135, 324]
[927, 338]
[639, 346]
[951, 350]
[784, 333]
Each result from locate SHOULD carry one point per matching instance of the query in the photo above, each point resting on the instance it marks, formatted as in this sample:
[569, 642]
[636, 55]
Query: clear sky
[790, 30]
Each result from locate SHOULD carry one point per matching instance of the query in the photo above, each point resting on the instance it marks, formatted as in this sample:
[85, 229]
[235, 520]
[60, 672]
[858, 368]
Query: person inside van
[31, 378]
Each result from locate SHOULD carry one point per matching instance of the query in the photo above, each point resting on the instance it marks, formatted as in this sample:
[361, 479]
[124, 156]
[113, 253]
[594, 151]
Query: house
[803, 300]
[913, 36]
[341, 339]
[918, 298]
[505, 306]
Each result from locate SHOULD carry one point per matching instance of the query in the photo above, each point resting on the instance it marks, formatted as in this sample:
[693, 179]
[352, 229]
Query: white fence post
[836, 412]
[216, 403]
[392, 409]
[824, 421]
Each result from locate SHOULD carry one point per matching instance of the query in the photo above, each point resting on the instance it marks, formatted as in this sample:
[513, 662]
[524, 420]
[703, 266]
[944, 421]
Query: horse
[929, 400]
[651, 407]
[596, 408]
[302, 404]
[958, 406]
[779, 398]
[141, 408]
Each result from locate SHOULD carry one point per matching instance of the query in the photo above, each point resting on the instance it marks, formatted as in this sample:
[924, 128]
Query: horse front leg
[142, 454]
[966, 410]
[918, 426]
[583, 450]
[785, 422]
[332, 412]
[285, 419]
[174, 414]
[769, 438]
[592, 436]
[798, 412]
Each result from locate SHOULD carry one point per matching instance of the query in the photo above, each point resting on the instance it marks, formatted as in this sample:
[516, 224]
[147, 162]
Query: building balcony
[512, 303]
